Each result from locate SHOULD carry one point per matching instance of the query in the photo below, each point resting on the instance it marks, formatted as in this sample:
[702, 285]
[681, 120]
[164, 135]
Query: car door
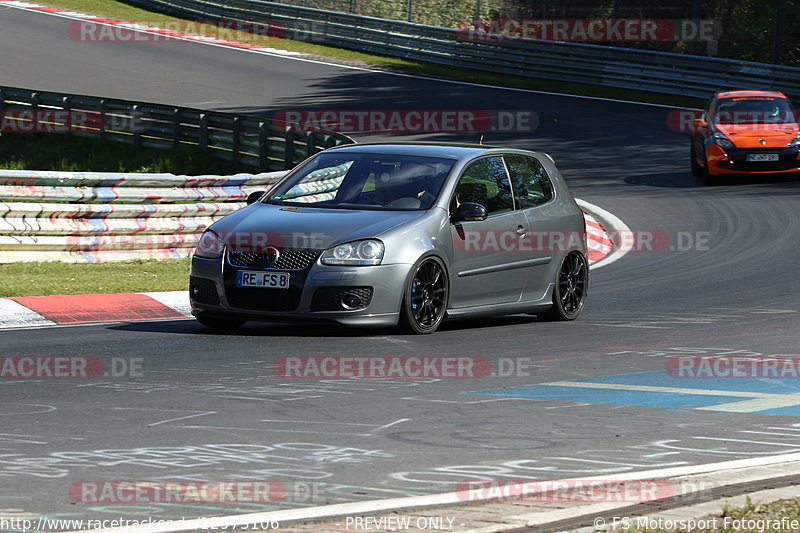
[486, 265]
[550, 227]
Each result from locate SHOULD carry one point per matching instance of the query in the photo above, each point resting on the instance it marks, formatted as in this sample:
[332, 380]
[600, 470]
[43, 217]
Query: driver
[416, 182]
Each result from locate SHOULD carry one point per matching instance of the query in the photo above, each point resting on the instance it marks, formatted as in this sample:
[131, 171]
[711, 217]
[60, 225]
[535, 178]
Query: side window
[485, 182]
[532, 185]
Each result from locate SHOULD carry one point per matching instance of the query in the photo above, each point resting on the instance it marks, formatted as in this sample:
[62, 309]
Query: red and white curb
[597, 239]
[70, 310]
[602, 227]
[165, 33]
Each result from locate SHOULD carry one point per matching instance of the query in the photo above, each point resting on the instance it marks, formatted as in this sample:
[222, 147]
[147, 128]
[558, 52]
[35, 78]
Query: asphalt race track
[208, 407]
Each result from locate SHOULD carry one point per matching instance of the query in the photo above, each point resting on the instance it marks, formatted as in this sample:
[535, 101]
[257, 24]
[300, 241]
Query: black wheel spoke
[419, 313]
[428, 295]
[577, 267]
[573, 304]
[429, 272]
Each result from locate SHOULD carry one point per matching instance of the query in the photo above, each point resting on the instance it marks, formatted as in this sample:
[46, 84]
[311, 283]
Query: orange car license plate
[762, 157]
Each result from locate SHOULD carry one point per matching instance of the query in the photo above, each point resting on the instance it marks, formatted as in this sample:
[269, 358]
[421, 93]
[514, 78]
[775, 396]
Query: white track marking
[392, 424]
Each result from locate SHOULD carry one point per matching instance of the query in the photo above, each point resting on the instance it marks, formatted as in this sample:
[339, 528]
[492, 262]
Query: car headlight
[210, 245]
[795, 142]
[368, 252]
[723, 142]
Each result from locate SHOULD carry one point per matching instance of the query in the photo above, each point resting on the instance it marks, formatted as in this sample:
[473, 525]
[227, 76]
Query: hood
[316, 228]
[750, 135]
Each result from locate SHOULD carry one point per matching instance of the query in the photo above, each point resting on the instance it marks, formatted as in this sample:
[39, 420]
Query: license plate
[762, 157]
[270, 280]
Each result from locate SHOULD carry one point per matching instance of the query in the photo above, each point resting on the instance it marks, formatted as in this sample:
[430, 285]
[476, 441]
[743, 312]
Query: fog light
[351, 301]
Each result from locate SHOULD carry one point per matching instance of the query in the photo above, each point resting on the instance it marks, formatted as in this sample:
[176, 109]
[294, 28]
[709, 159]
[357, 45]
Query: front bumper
[734, 161]
[314, 293]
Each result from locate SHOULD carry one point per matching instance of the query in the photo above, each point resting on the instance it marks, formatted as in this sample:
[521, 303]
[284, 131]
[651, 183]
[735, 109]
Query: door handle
[521, 231]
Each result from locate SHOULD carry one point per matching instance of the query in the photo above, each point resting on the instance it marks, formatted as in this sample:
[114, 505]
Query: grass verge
[131, 13]
[43, 279]
[50, 151]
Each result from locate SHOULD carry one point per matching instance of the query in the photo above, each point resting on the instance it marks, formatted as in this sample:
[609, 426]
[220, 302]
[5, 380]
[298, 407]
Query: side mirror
[699, 123]
[255, 196]
[469, 212]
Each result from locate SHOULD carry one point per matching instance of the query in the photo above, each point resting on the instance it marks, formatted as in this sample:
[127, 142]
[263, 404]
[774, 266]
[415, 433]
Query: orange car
[745, 132]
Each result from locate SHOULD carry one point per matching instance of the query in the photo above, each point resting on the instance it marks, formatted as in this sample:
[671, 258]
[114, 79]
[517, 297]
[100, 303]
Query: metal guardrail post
[103, 117]
[203, 133]
[137, 135]
[34, 102]
[311, 144]
[66, 105]
[288, 149]
[263, 146]
[177, 113]
[237, 132]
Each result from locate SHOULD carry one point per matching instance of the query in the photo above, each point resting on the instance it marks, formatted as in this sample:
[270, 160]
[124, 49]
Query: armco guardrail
[260, 143]
[119, 216]
[659, 72]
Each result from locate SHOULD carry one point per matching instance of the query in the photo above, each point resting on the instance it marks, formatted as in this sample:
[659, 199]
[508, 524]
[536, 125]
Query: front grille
[288, 259]
[203, 290]
[764, 166]
[257, 299]
[329, 298]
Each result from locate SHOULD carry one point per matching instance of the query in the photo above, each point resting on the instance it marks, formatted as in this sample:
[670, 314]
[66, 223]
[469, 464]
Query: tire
[569, 292]
[425, 298]
[220, 324]
[697, 168]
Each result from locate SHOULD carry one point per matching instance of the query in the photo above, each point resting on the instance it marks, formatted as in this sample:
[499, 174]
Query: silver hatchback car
[400, 233]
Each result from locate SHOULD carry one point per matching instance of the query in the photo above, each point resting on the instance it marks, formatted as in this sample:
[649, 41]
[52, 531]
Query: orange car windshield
[753, 111]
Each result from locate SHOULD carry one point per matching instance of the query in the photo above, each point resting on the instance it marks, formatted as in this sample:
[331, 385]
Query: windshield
[751, 110]
[365, 181]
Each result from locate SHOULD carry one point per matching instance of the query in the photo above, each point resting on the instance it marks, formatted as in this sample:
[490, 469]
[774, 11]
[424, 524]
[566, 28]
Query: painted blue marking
[793, 410]
[660, 378]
